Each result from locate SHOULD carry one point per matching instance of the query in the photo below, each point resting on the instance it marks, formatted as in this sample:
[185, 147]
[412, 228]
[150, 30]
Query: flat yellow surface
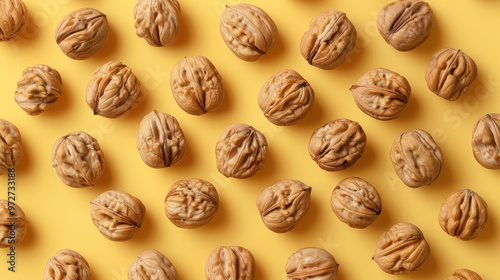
[59, 215]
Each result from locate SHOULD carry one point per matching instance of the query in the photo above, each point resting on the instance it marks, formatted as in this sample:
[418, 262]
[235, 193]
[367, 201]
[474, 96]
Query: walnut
[13, 19]
[230, 263]
[67, 265]
[11, 149]
[11, 213]
[152, 265]
[157, 21]
[464, 274]
[486, 141]
[311, 263]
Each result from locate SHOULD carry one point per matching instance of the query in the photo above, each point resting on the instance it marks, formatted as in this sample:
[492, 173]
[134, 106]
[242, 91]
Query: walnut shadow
[30, 34]
[110, 48]
[429, 269]
[25, 164]
[146, 231]
[316, 117]
[139, 109]
[310, 223]
[218, 222]
[490, 233]
[430, 46]
[411, 111]
[31, 238]
[266, 175]
[366, 161]
[226, 106]
[445, 182]
[63, 103]
[357, 56]
[186, 33]
[275, 54]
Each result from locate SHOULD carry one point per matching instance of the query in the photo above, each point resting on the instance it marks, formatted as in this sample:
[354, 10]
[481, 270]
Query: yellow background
[59, 215]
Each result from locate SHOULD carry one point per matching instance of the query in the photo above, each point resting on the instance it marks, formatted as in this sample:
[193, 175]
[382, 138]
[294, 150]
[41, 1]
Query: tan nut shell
[402, 249]
[230, 263]
[13, 19]
[157, 21]
[486, 141]
[11, 149]
[67, 265]
[117, 215]
[464, 214]
[248, 31]
[464, 274]
[286, 98]
[196, 85]
[19, 219]
[152, 265]
[311, 263]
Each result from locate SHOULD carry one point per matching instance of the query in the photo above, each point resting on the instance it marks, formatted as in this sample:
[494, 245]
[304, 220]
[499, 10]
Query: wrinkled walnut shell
[152, 265]
[486, 141]
[311, 263]
[18, 218]
[11, 149]
[464, 274]
[13, 19]
[157, 21]
[230, 263]
[67, 265]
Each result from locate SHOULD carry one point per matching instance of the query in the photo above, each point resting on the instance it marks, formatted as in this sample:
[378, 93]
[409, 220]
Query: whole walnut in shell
[67, 265]
[311, 263]
[78, 159]
[11, 149]
[82, 33]
[286, 98]
[117, 215]
[230, 263]
[191, 204]
[13, 19]
[157, 21]
[248, 31]
[402, 249]
[464, 274]
[152, 265]
[113, 90]
[196, 85]
[11, 213]
[463, 214]
[486, 141]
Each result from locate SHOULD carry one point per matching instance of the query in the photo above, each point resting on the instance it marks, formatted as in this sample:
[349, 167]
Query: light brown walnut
[486, 141]
[13, 19]
[464, 274]
[67, 265]
[311, 263]
[11, 148]
[11, 214]
[152, 265]
[157, 21]
[230, 263]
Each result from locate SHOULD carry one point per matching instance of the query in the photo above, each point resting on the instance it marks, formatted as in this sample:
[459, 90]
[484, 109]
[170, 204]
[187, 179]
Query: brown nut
[416, 158]
[38, 89]
[405, 24]
[337, 145]
[78, 159]
[464, 274]
[160, 140]
[248, 31]
[113, 90]
[311, 263]
[10, 214]
[286, 98]
[11, 149]
[82, 33]
[152, 265]
[486, 141]
[381, 94]
[13, 19]
[240, 151]
[283, 204]
[230, 263]
[67, 265]
[463, 214]
[196, 85]
[157, 21]
[329, 41]
[117, 215]
[191, 204]
[402, 249]
[355, 202]
[450, 73]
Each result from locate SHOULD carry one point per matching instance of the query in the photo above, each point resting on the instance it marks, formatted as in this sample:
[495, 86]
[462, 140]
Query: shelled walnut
[230, 263]
[152, 265]
[11, 148]
[68, 265]
[11, 214]
[13, 19]
[157, 21]
[311, 263]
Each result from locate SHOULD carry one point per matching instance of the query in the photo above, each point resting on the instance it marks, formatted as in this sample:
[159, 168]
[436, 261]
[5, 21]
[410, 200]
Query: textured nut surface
[191, 204]
[311, 263]
[230, 263]
[381, 93]
[117, 215]
[7, 217]
[329, 40]
[464, 274]
[67, 265]
[286, 98]
[196, 85]
[160, 140]
[78, 159]
[152, 265]
[13, 19]
[82, 33]
[463, 214]
[337, 145]
[355, 202]
[283, 204]
[11, 149]
[157, 21]
[38, 89]
[113, 90]
[248, 31]
[416, 158]
[450, 73]
[486, 141]
[240, 151]
[402, 249]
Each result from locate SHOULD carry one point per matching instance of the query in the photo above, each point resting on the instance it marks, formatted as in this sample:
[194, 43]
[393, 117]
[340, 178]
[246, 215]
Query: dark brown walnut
[450, 73]
[78, 159]
[13, 19]
[240, 151]
[464, 274]
[191, 204]
[286, 98]
[196, 85]
[284, 204]
[157, 21]
[416, 158]
[405, 24]
[355, 202]
[329, 41]
[11, 149]
[463, 214]
[402, 249]
[38, 89]
[486, 141]
[117, 215]
[311, 263]
[152, 265]
[82, 33]
[160, 140]
[248, 31]
[67, 265]
[113, 90]
[230, 263]
[381, 94]
[337, 145]
[12, 224]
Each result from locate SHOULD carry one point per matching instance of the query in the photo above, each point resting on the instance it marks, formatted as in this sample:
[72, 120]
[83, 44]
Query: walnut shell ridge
[68, 265]
[19, 219]
[157, 21]
[11, 148]
[152, 265]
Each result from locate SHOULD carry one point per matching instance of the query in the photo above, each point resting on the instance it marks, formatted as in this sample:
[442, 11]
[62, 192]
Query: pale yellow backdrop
[59, 215]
